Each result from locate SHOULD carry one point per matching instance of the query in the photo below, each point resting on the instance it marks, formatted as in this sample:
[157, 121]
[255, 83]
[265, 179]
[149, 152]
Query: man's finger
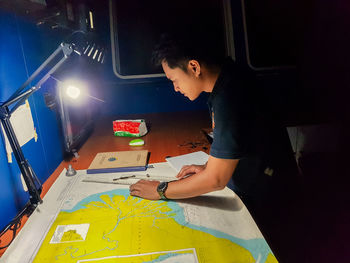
[183, 168]
[135, 193]
[189, 170]
[133, 187]
[180, 176]
[183, 171]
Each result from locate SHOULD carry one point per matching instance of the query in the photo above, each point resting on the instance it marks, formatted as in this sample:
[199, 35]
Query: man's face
[188, 83]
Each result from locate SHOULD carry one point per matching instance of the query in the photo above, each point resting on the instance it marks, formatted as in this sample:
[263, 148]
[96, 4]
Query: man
[248, 151]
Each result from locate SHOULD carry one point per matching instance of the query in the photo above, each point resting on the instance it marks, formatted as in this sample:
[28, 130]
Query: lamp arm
[19, 97]
[23, 96]
[63, 47]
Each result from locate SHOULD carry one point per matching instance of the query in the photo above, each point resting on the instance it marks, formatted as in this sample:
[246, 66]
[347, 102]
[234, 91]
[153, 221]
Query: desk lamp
[64, 51]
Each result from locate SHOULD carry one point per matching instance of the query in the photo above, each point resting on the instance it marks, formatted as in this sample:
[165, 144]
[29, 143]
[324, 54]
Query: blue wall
[23, 47]
[146, 98]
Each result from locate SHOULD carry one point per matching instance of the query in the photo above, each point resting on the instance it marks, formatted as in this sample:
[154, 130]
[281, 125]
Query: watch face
[161, 189]
[162, 186]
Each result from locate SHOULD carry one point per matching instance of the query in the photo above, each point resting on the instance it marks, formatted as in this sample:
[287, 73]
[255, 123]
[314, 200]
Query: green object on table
[137, 142]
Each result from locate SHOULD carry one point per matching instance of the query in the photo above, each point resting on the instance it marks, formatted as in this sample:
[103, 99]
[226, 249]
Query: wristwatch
[161, 188]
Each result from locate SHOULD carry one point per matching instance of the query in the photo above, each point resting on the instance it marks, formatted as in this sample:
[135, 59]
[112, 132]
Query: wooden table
[169, 134]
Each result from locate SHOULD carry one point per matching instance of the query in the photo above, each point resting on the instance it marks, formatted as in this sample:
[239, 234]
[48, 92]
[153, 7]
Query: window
[136, 26]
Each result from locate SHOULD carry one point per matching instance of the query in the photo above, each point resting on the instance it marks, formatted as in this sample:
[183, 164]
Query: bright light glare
[76, 90]
[73, 92]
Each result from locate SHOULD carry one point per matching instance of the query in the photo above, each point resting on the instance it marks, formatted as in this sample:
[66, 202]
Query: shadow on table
[218, 202]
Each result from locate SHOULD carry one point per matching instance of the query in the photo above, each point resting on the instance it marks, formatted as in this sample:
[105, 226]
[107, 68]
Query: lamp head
[87, 45]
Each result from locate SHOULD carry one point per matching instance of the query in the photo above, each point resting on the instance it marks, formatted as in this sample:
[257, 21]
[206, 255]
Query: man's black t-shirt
[242, 131]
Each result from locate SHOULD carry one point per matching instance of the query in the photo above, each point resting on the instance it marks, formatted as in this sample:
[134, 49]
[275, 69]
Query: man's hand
[205, 178]
[145, 189]
[188, 170]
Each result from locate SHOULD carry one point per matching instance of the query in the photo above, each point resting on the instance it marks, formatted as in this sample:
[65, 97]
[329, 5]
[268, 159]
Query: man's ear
[194, 67]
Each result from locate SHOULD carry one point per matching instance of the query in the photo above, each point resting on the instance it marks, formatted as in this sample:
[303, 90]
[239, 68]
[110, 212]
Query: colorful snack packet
[129, 128]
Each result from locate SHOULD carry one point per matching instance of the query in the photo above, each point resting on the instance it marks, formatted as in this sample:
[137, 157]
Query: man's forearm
[194, 185]
[214, 177]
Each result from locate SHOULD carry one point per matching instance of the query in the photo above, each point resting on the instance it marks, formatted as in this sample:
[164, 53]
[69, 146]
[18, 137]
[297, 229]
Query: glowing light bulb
[73, 92]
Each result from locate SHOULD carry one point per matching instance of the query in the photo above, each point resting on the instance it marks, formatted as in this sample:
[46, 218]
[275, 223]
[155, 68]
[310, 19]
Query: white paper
[23, 126]
[198, 158]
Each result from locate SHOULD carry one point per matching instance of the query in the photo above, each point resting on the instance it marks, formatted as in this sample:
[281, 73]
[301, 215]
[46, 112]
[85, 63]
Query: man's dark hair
[178, 48]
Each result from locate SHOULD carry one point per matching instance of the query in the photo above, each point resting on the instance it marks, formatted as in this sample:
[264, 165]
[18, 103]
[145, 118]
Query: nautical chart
[116, 227]
[102, 223]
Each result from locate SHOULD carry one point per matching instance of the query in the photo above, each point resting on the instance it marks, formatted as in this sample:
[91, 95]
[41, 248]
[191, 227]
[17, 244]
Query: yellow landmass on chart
[271, 259]
[122, 226]
[71, 235]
